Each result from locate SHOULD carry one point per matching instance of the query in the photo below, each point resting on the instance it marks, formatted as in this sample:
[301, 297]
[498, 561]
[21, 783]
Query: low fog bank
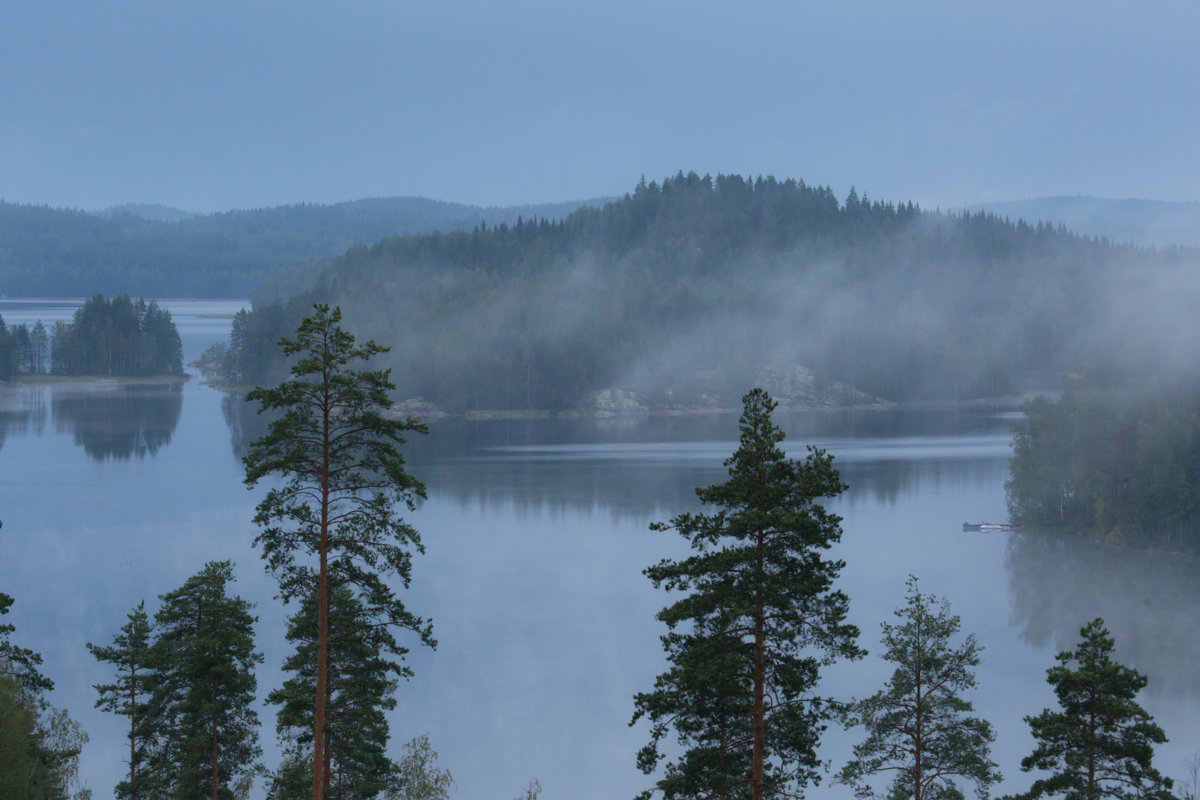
[680, 297]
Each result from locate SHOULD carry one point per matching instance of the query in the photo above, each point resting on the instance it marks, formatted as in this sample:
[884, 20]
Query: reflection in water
[1058, 583]
[244, 421]
[650, 467]
[22, 412]
[118, 421]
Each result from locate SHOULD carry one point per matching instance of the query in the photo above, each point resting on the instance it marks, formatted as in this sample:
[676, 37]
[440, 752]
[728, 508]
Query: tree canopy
[686, 291]
[918, 727]
[759, 619]
[333, 526]
[1100, 742]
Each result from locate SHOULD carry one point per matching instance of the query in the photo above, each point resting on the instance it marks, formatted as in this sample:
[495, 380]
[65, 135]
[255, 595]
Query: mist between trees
[757, 616]
[684, 293]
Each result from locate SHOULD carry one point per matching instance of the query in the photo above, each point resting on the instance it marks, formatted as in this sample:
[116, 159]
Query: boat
[986, 526]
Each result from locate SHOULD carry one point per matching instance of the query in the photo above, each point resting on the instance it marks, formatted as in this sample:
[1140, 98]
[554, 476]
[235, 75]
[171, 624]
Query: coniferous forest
[685, 292]
[110, 337]
[677, 296]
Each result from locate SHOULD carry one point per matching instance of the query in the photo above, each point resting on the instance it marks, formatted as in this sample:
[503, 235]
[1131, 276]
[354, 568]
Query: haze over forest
[898, 219]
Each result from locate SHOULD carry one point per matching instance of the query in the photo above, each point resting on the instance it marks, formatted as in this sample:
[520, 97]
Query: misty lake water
[536, 536]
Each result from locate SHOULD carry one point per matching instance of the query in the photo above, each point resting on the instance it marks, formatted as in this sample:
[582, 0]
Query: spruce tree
[202, 690]
[759, 619]
[130, 655]
[1100, 742]
[918, 727]
[333, 521]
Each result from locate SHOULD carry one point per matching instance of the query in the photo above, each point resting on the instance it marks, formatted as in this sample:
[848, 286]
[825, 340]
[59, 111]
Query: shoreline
[95, 380]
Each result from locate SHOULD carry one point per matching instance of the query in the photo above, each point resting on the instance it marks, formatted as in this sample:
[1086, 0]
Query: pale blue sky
[217, 105]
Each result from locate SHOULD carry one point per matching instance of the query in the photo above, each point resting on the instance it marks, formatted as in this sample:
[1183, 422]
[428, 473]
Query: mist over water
[536, 536]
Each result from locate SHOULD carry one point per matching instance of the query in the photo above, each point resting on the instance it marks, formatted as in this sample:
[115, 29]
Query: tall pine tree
[333, 521]
[130, 655]
[360, 688]
[760, 618]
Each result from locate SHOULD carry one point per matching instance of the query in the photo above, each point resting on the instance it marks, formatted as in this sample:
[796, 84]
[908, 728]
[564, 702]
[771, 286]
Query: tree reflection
[119, 422]
[1059, 582]
[20, 412]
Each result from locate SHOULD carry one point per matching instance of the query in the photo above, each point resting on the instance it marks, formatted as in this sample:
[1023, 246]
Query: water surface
[536, 536]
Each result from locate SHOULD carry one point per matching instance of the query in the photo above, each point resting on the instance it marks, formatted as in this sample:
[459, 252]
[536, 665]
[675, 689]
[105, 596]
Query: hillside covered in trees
[147, 251]
[685, 292]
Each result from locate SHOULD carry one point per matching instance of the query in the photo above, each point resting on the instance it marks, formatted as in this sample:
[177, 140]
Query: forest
[117, 337]
[683, 293]
[50, 252]
[1115, 458]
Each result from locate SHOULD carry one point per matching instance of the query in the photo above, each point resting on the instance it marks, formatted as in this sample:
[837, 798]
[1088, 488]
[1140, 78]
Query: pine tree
[1101, 742]
[333, 521]
[19, 663]
[918, 726]
[359, 690]
[202, 690]
[760, 619]
[130, 655]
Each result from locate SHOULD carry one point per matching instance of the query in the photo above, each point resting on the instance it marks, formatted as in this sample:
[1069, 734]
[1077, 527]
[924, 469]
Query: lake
[536, 537]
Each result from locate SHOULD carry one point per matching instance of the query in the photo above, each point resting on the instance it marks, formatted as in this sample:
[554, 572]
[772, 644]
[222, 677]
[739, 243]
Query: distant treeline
[46, 252]
[1116, 458]
[688, 290]
[112, 337]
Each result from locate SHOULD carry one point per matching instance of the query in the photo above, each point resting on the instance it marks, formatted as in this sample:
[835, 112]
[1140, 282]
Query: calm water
[536, 535]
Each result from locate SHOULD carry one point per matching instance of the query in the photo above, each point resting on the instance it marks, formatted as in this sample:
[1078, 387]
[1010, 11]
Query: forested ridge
[687, 291]
[52, 252]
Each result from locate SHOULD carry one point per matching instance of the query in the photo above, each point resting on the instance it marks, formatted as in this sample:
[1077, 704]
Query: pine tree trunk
[216, 772]
[133, 787]
[319, 777]
[918, 738]
[758, 763]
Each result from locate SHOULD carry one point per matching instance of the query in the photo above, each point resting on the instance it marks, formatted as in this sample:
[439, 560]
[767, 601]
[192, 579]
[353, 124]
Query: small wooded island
[117, 337]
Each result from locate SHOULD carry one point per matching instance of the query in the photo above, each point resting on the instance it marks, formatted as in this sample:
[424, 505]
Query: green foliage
[39, 745]
[130, 655]
[760, 618]
[359, 690]
[918, 726]
[1111, 461]
[118, 337]
[418, 777]
[332, 525]
[200, 729]
[1100, 742]
[688, 291]
[532, 792]
[19, 664]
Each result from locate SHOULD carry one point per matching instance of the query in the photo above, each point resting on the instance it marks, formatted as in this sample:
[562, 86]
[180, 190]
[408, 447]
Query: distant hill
[154, 251]
[1142, 222]
[149, 211]
[688, 292]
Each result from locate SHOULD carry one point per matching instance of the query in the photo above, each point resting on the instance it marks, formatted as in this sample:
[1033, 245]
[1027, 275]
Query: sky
[219, 105]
